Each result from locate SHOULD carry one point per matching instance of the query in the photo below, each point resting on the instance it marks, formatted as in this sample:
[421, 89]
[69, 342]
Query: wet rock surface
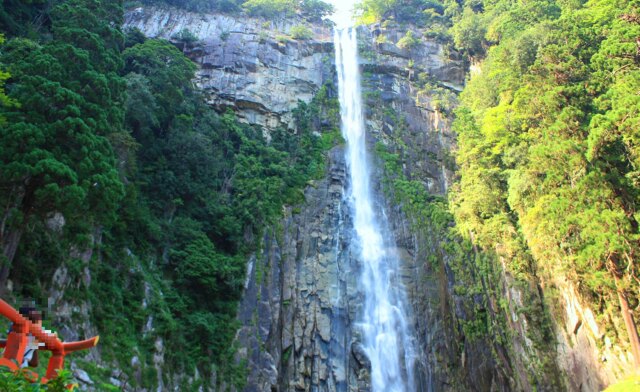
[301, 296]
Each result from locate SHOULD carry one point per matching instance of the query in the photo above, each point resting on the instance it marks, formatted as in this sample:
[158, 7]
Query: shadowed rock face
[401, 110]
[301, 296]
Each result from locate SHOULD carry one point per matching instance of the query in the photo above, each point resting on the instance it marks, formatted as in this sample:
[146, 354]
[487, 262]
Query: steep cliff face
[301, 296]
[298, 316]
[409, 93]
[468, 310]
[251, 66]
[301, 293]
[585, 350]
[298, 304]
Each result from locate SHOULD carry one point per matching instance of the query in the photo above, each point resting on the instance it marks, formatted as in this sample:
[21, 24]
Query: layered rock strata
[251, 66]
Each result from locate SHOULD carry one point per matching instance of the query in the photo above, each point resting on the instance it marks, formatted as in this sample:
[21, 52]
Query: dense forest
[548, 148]
[105, 144]
[107, 147]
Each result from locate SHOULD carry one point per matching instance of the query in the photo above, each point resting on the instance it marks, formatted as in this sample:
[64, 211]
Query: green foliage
[166, 72]
[315, 10]
[409, 41]
[301, 32]
[631, 384]
[469, 32]
[56, 154]
[312, 10]
[185, 36]
[428, 15]
[4, 99]
[442, 99]
[229, 6]
[547, 137]
[15, 382]
[371, 11]
[270, 8]
[23, 17]
[381, 39]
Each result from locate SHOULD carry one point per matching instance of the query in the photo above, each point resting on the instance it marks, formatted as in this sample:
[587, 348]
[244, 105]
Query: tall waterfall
[386, 335]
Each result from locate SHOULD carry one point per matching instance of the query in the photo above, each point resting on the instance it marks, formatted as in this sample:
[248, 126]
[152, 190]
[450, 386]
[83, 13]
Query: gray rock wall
[301, 297]
[248, 65]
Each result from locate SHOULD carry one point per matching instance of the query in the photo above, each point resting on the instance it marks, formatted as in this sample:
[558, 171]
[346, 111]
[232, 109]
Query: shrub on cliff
[270, 8]
[409, 41]
[301, 32]
[315, 9]
[312, 10]
[548, 151]
[197, 5]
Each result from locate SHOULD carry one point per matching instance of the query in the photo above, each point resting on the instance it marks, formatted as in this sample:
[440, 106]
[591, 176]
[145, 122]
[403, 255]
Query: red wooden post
[16, 346]
[17, 341]
[56, 362]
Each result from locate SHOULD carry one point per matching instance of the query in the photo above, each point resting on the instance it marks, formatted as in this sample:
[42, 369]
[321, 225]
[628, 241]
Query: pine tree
[55, 153]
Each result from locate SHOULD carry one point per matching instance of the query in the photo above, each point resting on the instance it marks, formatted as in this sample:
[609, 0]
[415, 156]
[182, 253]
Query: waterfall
[385, 331]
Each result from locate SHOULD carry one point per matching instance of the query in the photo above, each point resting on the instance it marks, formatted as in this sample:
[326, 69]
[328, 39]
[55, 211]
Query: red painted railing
[16, 343]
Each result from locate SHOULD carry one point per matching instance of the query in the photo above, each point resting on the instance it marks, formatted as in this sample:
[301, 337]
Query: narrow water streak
[386, 335]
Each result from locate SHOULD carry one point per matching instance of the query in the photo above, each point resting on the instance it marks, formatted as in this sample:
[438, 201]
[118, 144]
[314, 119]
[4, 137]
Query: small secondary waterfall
[383, 324]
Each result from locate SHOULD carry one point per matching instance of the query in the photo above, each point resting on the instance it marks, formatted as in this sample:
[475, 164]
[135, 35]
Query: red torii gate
[16, 343]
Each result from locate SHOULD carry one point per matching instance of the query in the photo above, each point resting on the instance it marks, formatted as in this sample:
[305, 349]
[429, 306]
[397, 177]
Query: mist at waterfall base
[385, 331]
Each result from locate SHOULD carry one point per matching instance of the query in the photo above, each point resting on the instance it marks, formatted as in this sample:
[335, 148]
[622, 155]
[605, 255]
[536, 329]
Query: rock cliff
[301, 296]
[251, 66]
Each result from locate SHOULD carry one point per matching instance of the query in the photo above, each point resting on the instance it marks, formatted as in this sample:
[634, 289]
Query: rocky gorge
[301, 296]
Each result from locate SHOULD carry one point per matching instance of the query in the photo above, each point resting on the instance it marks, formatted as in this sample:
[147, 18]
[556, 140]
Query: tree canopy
[547, 142]
[312, 10]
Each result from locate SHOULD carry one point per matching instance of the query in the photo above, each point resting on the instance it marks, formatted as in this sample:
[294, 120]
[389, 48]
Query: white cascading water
[386, 335]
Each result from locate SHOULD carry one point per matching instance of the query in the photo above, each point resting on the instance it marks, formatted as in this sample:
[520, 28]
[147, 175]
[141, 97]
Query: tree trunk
[632, 331]
[9, 237]
[22, 198]
[10, 244]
